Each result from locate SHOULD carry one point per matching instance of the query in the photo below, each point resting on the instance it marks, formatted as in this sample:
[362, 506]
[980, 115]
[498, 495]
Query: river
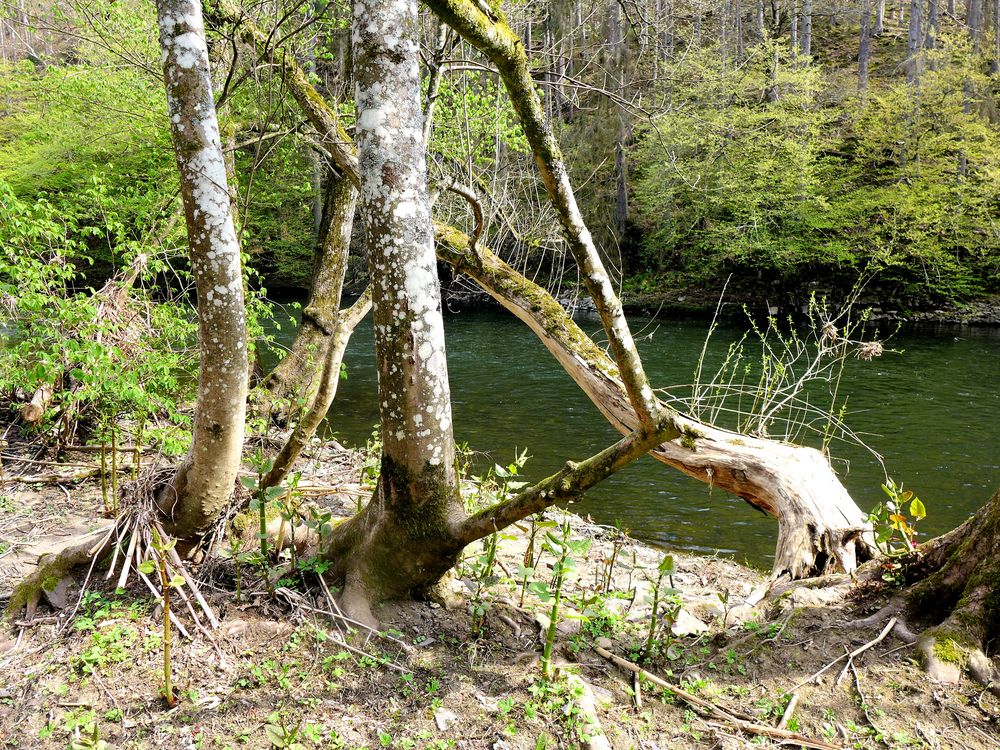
[931, 411]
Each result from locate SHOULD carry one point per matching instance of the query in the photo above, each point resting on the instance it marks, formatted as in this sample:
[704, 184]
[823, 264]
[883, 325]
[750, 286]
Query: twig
[859, 650]
[173, 618]
[789, 711]
[861, 696]
[129, 553]
[730, 717]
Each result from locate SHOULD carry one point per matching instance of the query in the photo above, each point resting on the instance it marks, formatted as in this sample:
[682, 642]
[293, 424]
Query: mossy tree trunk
[204, 482]
[958, 595]
[298, 376]
[493, 37]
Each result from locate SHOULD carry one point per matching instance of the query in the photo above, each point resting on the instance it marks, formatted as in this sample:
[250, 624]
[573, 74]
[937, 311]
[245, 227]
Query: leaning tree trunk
[329, 379]
[297, 376]
[490, 34]
[820, 527]
[205, 480]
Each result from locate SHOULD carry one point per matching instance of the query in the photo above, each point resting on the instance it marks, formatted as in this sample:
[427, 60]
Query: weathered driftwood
[821, 529]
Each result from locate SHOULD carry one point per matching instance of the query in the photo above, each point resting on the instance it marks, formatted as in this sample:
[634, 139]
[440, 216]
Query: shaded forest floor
[459, 672]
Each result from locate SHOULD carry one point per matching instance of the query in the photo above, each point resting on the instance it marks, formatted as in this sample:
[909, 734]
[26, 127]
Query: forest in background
[786, 146]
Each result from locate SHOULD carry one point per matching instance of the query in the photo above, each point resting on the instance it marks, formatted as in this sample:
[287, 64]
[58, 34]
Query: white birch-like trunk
[914, 43]
[205, 480]
[807, 25]
[404, 537]
[820, 526]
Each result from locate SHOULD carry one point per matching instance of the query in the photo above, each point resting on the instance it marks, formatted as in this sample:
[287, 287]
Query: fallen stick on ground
[859, 650]
[730, 717]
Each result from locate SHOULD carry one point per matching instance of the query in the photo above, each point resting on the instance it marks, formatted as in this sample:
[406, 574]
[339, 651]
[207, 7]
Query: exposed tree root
[125, 543]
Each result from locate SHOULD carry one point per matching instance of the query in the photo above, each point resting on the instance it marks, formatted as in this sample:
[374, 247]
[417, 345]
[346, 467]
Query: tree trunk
[819, 524]
[931, 33]
[404, 537]
[864, 45]
[913, 43]
[204, 482]
[805, 43]
[995, 62]
[974, 21]
[329, 379]
[820, 529]
[879, 18]
[297, 376]
[503, 48]
[959, 596]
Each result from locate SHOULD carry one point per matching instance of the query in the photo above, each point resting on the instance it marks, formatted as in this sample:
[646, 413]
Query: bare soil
[279, 673]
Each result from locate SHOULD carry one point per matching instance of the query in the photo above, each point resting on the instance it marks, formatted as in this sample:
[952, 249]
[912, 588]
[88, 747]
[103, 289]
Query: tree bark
[995, 62]
[913, 43]
[961, 597]
[864, 45]
[329, 379]
[805, 42]
[820, 529]
[409, 520]
[204, 481]
[974, 21]
[931, 33]
[297, 376]
[503, 48]
[879, 18]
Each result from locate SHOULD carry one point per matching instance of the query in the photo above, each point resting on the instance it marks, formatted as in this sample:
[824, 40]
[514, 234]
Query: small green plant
[662, 599]
[282, 736]
[563, 548]
[161, 545]
[262, 496]
[895, 531]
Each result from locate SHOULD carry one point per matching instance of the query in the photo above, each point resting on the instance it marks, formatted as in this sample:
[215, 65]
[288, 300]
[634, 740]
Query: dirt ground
[462, 671]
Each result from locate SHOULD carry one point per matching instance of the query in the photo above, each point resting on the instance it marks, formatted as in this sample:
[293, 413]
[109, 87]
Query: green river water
[931, 411]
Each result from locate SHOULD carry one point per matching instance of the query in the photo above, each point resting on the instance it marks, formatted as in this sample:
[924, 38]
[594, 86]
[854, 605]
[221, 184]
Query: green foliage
[816, 182]
[474, 120]
[92, 140]
[895, 525]
[58, 333]
[665, 606]
[564, 550]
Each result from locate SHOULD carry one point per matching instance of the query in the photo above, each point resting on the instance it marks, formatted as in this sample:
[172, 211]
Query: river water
[930, 410]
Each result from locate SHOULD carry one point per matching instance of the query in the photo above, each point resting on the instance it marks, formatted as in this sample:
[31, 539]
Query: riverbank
[462, 670]
[700, 304]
